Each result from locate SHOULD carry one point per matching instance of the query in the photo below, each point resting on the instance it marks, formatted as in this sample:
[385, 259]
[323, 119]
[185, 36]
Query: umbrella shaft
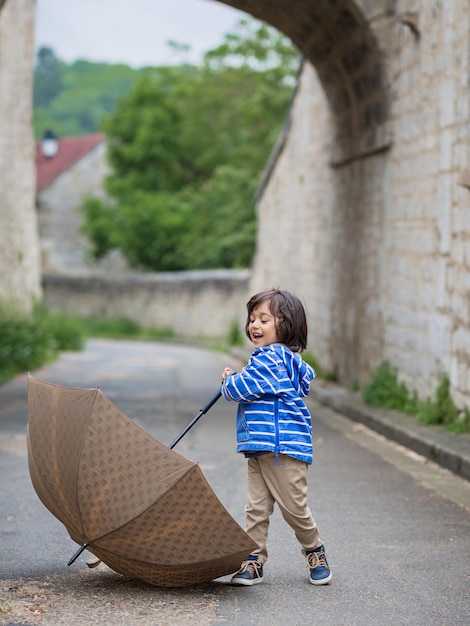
[202, 412]
[183, 432]
[77, 553]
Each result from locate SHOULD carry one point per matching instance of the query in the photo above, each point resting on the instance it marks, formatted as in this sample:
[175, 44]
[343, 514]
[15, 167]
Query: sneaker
[320, 573]
[250, 572]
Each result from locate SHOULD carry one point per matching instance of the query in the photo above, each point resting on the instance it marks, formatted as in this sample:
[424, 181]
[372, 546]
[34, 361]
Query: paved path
[397, 528]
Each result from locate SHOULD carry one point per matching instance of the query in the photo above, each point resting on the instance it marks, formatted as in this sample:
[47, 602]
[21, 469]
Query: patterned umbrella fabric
[143, 509]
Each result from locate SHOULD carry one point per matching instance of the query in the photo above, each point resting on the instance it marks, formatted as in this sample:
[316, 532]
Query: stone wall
[20, 274]
[378, 244]
[192, 304]
[426, 291]
[294, 211]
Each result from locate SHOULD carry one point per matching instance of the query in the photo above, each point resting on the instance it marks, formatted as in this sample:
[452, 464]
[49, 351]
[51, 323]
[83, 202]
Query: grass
[5, 607]
[121, 328]
[441, 410]
[28, 342]
[235, 336]
[387, 391]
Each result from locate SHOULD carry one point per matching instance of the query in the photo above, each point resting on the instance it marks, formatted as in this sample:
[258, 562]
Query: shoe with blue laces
[320, 573]
[250, 572]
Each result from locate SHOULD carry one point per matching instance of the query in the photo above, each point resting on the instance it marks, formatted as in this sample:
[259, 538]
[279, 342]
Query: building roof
[71, 150]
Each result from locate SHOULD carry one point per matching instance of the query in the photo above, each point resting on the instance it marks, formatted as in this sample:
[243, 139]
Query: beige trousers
[284, 482]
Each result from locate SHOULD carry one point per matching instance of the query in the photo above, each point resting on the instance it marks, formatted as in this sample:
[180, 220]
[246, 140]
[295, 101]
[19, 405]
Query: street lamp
[49, 144]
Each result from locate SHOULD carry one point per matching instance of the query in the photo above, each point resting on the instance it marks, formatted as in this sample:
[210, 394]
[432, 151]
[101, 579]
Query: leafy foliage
[441, 409]
[67, 333]
[71, 99]
[48, 74]
[26, 342]
[187, 147]
[256, 45]
[120, 328]
[385, 390]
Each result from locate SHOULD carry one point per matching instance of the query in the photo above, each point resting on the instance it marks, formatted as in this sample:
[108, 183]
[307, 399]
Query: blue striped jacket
[271, 415]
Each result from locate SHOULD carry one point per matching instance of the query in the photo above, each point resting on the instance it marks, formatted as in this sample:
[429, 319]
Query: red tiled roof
[71, 150]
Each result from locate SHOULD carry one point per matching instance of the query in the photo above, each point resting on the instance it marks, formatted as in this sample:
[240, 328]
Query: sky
[134, 32]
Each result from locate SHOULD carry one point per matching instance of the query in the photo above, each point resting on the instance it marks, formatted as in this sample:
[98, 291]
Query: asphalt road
[399, 547]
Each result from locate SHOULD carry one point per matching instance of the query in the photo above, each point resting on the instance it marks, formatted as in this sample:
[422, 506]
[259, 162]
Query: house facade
[76, 169]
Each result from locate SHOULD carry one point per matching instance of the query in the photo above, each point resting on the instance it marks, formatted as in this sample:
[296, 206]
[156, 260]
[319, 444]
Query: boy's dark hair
[291, 321]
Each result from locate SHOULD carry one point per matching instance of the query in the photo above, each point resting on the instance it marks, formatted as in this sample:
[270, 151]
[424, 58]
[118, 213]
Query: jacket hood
[298, 371]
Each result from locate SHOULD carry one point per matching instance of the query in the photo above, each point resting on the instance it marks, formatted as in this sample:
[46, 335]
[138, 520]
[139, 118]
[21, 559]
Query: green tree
[48, 77]
[147, 147]
[186, 148]
[72, 99]
[259, 46]
[223, 225]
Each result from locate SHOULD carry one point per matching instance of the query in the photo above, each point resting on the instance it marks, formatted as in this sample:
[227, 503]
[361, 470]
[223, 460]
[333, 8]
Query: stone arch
[322, 200]
[336, 37]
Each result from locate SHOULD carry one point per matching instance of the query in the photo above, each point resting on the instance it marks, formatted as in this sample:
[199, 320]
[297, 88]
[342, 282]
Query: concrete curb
[444, 448]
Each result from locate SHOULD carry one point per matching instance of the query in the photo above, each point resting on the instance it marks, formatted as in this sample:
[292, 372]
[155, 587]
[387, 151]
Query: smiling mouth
[257, 336]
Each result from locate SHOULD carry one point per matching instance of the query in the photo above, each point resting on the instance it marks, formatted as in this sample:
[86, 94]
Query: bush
[386, 391]
[24, 344]
[27, 342]
[68, 333]
[441, 410]
[234, 336]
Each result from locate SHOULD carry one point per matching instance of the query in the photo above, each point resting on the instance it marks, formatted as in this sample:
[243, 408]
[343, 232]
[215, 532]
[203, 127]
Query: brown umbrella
[143, 509]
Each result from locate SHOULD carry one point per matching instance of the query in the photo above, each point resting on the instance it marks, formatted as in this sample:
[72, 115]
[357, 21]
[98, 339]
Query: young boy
[274, 430]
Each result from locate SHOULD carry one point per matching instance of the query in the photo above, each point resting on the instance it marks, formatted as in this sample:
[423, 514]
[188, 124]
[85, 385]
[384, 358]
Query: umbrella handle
[202, 412]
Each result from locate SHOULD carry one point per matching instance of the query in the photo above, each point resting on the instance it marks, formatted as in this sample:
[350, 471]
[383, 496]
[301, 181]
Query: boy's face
[262, 326]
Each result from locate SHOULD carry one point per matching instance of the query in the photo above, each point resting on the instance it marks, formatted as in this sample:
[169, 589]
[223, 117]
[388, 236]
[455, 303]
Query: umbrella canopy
[143, 509]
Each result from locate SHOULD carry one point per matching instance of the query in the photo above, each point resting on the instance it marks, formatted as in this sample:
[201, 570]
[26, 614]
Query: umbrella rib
[97, 393]
[68, 521]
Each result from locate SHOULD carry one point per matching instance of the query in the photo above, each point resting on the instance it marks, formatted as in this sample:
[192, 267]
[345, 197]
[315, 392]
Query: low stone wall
[193, 304]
